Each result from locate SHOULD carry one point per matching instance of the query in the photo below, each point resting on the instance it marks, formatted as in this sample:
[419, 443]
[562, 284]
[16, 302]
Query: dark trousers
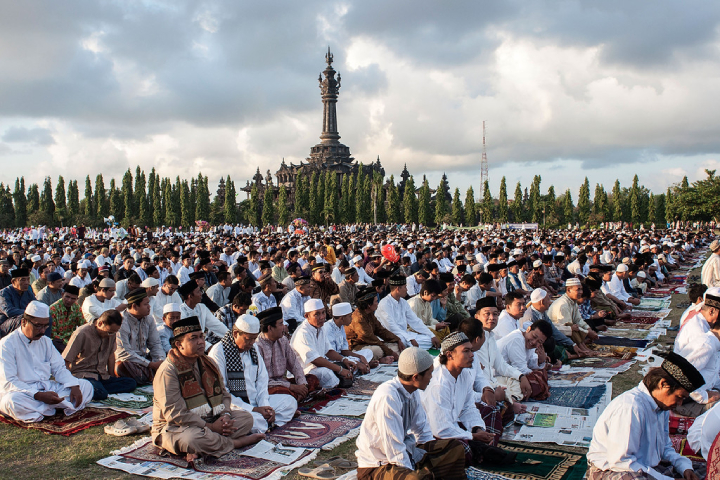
[103, 388]
[9, 325]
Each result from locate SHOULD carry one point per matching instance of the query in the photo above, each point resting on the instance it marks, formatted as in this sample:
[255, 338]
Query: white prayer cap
[248, 324]
[150, 282]
[538, 295]
[36, 258]
[622, 268]
[171, 307]
[641, 275]
[572, 282]
[84, 264]
[412, 245]
[357, 258]
[340, 309]
[313, 304]
[37, 309]
[714, 291]
[626, 261]
[414, 360]
[106, 283]
[537, 263]
[517, 251]
[68, 274]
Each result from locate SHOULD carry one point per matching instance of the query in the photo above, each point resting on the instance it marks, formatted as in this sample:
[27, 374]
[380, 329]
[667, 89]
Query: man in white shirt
[710, 273]
[395, 439]
[94, 305]
[311, 344]
[704, 430]
[511, 318]
[184, 272]
[192, 306]
[449, 399]
[265, 299]
[395, 314]
[415, 281]
[616, 288]
[167, 294]
[246, 377]
[219, 292]
[698, 324]
[293, 303]
[28, 361]
[82, 277]
[523, 349]
[335, 331]
[632, 434]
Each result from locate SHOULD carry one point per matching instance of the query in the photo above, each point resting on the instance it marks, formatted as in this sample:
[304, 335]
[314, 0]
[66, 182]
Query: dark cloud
[37, 136]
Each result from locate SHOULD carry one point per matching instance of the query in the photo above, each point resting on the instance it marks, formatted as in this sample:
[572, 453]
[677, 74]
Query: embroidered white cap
[538, 295]
[622, 268]
[248, 324]
[313, 304]
[171, 307]
[340, 309]
[414, 360]
[150, 282]
[37, 309]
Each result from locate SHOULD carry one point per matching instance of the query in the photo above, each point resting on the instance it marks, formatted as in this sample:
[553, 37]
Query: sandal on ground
[120, 429]
[337, 462]
[140, 427]
[323, 472]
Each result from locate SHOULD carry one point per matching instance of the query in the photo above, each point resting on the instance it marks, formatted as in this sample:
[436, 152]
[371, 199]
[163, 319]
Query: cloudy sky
[568, 88]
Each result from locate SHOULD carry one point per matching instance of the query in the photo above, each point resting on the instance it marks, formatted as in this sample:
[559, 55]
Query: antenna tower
[483, 163]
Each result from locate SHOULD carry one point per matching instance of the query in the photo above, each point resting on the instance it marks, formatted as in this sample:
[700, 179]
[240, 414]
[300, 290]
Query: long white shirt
[413, 287]
[208, 322]
[692, 331]
[448, 400]
[336, 337]
[397, 316]
[293, 305]
[183, 275]
[493, 360]
[632, 435]
[704, 354]
[395, 423]
[160, 301]
[81, 282]
[703, 431]
[26, 366]
[310, 343]
[256, 377]
[512, 348]
[710, 273]
[506, 324]
[263, 302]
[473, 295]
[219, 294]
[92, 307]
[616, 288]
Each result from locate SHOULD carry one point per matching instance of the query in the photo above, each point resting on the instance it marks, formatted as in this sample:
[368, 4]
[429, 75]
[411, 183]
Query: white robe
[293, 306]
[710, 273]
[256, 384]
[449, 401]
[208, 321]
[703, 431]
[397, 316]
[25, 369]
[506, 324]
[92, 307]
[338, 341]
[632, 435]
[691, 332]
[312, 343]
[704, 354]
[513, 350]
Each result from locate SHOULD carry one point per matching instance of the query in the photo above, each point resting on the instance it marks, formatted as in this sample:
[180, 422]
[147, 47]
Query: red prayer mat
[67, 425]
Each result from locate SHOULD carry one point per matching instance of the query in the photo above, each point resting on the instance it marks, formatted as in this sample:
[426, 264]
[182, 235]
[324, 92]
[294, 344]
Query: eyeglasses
[39, 326]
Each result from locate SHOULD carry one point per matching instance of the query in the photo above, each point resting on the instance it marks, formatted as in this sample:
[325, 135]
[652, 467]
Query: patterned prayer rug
[139, 401]
[713, 460]
[317, 400]
[635, 326]
[570, 376]
[680, 424]
[611, 351]
[554, 465]
[316, 431]
[649, 319]
[232, 464]
[621, 342]
[605, 362]
[67, 425]
[659, 313]
[679, 443]
[630, 333]
[575, 397]
[362, 387]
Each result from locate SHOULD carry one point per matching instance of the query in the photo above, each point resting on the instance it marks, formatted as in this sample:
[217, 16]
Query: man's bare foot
[248, 440]
[374, 363]
[387, 360]
[519, 408]
[191, 457]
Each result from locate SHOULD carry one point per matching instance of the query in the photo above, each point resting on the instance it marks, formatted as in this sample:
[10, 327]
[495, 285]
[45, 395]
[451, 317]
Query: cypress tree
[158, 209]
[457, 209]
[169, 217]
[551, 207]
[635, 202]
[268, 207]
[651, 209]
[617, 202]
[128, 198]
[410, 202]
[177, 205]
[102, 204]
[33, 197]
[151, 187]
[660, 211]
[202, 199]
[470, 211]
[47, 205]
[503, 202]
[230, 205]
[517, 206]
[117, 207]
[441, 207]
[488, 215]
[7, 210]
[141, 199]
[360, 196]
[380, 200]
[314, 207]
[73, 201]
[599, 204]
[89, 204]
[569, 208]
[331, 198]
[20, 202]
[393, 202]
[254, 213]
[283, 207]
[302, 199]
[584, 202]
[424, 215]
[535, 204]
[61, 200]
[345, 199]
[366, 194]
[188, 209]
[669, 207]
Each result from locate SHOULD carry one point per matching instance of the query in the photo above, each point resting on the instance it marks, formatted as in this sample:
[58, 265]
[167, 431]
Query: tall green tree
[617, 202]
[360, 197]
[393, 202]
[128, 198]
[47, 204]
[283, 207]
[141, 198]
[268, 209]
[61, 200]
[90, 209]
[517, 205]
[169, 217]
[302, 199]
[635, 202]
[101, 204]
[660, 211]
[584, 202]
[73, 200]
[158, 209]
[669, 207]
[458, 215]
[470, 211]
[651, 208]
[117, 205]
[378, 180]
[551, 216]
[314, 207]
[424, 211]
[20, 202]
[230, 203]
[7, 210]
[188, 209]
[344, 199]
[331, 198]
[151, 188]
[535, 204]
[502, 202]
[488, 205]
[177, 205]
[33, 198]
[569, 208]
[410, 202]
[367, 199]
[202, 207]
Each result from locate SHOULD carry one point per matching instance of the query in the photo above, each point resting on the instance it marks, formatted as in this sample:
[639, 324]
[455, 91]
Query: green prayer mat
[142, 399]
[434, 352]
[555, 464]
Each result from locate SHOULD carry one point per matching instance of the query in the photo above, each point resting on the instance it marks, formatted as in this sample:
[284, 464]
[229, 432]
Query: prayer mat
[635, 326]
[680, 424]
[317, 400]
[476, 474]
[679, 443]
[713, 460]
[634, 334]
[555, 465]
[575, 397]
[362, 387]
[613, 351]
[434, 352]
[316, 431]
[604, 362]
[137, 402]
[660, 313]
[150, 459]
[569, 377]
[60, 424]
[641, 319]
[622, 342]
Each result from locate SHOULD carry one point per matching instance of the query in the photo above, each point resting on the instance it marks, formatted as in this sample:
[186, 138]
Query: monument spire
[329, 89]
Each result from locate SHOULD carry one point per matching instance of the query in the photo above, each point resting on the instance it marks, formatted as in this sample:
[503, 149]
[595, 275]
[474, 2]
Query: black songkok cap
[136, 296]
[187, 288]
[397, 281]
[270, 316]
[681, 370]
[186, 325]
[19, 273]
[485, 302]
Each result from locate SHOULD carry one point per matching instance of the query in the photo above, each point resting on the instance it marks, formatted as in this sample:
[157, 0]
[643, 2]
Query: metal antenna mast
[483, 163]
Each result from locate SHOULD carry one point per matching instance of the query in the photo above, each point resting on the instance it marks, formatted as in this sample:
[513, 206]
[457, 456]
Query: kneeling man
[191, 408]
[28, 361]
[246, 377]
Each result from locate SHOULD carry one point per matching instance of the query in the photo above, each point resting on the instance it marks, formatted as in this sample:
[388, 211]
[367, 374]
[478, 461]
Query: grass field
[29, 454]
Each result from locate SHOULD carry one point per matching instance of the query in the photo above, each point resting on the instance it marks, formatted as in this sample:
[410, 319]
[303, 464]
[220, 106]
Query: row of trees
[326, 198]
